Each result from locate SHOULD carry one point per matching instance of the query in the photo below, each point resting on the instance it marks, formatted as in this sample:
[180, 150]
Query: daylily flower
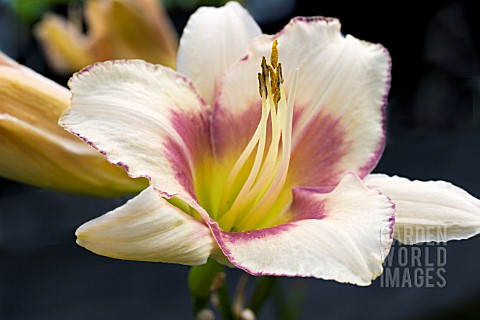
[36, 151]
[117, 29]
[255, 151]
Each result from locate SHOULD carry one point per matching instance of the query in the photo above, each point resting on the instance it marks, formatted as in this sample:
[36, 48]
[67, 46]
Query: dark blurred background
[433, 133]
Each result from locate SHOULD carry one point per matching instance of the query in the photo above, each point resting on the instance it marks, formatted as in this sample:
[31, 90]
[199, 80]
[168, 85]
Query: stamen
[267, 199]
[268, 173]
[280, 75]
[260, 84]
[252, 189]
[274, 55]
[226, 195]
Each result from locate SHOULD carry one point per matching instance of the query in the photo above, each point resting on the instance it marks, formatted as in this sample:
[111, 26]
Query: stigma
[253, 187]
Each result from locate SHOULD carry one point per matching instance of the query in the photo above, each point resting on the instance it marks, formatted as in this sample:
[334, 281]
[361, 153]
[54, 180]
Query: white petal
[344, 235]
[148, 228]
[144, 117]
[429, 211]
[213, 39]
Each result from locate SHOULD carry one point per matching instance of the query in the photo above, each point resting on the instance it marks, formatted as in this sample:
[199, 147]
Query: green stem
[263, 289]
[288, 306]
[200, 280]
[225, 304]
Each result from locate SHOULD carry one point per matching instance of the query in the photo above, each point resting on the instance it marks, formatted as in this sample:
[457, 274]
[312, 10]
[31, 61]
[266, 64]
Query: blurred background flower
[36, 151]
[433, 132]
[116, 29]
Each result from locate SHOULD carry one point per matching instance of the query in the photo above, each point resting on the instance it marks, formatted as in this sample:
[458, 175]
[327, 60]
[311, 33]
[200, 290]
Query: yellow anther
[274, 55]
[275, 84]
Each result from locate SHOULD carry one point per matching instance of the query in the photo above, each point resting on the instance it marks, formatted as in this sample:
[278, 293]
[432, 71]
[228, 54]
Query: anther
[280, 74]
[274, 55]
[261, 84]
[264, 69]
